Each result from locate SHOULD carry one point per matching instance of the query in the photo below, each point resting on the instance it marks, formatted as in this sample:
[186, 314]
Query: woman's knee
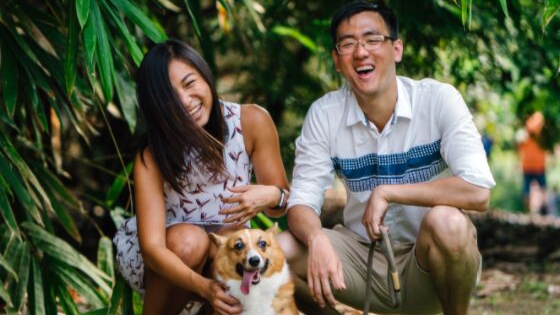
[190, 243]
[289, 245]
[449, 228]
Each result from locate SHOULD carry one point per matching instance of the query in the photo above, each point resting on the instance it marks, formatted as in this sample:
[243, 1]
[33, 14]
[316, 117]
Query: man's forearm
[303, 223]
[451, 191]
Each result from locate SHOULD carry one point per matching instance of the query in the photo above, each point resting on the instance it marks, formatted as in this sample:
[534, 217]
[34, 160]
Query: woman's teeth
[195, 110]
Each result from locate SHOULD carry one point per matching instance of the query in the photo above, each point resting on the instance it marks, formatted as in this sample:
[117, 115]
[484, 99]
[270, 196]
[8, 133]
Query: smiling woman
[192, 176]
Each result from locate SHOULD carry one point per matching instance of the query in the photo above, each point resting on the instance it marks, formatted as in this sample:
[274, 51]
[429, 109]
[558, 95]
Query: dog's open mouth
[249, 277]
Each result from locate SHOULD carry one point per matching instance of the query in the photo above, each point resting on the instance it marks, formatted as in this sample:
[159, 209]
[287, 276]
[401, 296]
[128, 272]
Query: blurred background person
[533, 163]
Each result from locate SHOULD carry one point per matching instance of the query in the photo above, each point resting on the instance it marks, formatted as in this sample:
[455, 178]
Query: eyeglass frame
[359, 41]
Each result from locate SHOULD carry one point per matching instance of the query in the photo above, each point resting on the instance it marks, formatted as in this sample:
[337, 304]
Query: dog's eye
[238, 246]
[262, 244]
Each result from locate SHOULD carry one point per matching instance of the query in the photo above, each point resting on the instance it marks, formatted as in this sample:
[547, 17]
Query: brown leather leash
[393, 280]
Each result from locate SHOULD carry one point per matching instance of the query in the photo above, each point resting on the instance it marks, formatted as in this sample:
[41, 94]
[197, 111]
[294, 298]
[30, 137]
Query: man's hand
[323, 269]
[375, 213]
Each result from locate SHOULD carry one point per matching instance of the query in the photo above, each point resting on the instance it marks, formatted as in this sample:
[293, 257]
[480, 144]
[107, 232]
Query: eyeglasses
[347, 46]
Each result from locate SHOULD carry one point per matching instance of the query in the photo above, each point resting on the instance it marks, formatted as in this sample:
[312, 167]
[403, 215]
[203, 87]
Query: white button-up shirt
[430, 135]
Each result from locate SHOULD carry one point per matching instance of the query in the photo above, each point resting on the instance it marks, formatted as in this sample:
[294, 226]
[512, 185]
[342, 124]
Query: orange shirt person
[532, 155]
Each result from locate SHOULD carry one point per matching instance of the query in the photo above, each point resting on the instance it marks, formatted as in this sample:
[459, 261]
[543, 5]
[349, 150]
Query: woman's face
[191, 89]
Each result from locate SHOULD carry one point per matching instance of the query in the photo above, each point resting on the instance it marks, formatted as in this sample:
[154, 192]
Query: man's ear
[273, 230]
[217, 239]
[398, 49]
[335, 59]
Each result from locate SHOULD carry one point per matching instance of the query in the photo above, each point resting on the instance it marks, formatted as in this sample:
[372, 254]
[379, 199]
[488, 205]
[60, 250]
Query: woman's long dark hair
[172, 134]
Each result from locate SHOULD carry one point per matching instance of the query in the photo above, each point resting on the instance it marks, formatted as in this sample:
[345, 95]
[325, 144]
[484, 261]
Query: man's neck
[379, 108]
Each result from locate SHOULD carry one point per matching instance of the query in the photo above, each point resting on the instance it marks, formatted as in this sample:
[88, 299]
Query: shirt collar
[355, 114]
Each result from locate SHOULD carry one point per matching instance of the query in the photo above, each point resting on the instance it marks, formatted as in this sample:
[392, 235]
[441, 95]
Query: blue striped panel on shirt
[419, 164]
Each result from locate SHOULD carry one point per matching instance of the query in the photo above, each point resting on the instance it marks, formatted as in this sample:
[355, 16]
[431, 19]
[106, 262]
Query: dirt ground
[511, 289]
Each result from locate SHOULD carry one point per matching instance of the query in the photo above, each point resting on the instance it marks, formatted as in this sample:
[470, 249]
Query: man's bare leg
[447, 249]
[296, 255]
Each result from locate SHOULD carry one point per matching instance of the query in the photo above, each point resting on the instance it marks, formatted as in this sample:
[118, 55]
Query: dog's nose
[254, 261]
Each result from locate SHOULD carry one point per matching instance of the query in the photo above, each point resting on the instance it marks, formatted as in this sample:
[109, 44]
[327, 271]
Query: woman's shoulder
[144, 159]
[254, 114]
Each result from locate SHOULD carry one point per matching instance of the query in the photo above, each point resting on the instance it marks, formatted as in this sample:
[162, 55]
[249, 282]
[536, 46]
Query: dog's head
[248, 255]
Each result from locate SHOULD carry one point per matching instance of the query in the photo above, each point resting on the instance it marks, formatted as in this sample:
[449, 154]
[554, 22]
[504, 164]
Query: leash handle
[393, 280]
[393, 273]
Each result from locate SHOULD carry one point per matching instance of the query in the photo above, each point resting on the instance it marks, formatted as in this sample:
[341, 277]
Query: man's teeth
[364, 68]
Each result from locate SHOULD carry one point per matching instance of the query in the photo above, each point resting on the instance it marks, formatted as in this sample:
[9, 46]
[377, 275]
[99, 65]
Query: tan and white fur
[251, 263]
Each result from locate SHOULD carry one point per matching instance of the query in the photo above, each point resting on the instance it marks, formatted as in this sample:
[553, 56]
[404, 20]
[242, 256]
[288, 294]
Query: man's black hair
[350, 9]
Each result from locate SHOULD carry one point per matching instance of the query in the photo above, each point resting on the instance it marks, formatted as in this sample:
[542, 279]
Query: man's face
[370, 73]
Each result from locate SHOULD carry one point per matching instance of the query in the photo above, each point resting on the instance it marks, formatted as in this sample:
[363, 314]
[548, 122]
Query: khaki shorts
[417, 290]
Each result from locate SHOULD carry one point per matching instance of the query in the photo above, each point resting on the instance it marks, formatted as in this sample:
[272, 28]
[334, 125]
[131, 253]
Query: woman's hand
[221, 301]
[251, 200]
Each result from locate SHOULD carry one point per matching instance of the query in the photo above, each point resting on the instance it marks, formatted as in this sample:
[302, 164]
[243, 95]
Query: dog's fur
[251, 263]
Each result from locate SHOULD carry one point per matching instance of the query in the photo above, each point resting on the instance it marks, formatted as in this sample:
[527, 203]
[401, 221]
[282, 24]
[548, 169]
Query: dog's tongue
[247, 279]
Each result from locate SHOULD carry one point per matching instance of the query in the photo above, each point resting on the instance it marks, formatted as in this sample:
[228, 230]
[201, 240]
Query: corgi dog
[251, 263]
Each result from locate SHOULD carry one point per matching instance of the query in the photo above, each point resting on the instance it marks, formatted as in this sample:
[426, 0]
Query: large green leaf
[7, 266]
[116, 296]
[127, 99]
[21, 42]
[105, 256]
[82, 11]
[71, 55]
[61, 251]
[36, 290]
[503, 3]
[54, 186]
[193, 18]
[127, 305]
[10, 79]
[51, 306]
[70, 277]
[133, 48]
[6, 210]
[120, 182]
[53, 182]
[38, 109]
[28, 175]
[18, 289]
[152, 29]
[89, 39]
[551, 9]
[104, 56]
[18, 186]
[297, 35]
[4, 295]
[65, 299]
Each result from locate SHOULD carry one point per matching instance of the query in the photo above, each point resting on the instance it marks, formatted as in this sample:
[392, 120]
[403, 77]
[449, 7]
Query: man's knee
[190, 243]
[450, 229]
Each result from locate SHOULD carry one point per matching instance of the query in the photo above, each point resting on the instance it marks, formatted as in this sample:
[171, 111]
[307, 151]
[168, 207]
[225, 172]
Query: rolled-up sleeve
[461, 146]
[313, 171]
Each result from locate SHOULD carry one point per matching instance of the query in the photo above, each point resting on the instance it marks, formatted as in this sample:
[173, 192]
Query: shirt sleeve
[313, 171]
[461, 145]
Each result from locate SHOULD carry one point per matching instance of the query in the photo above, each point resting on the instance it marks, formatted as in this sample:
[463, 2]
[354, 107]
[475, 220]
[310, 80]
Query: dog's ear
[217, 239]
[273, 230]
